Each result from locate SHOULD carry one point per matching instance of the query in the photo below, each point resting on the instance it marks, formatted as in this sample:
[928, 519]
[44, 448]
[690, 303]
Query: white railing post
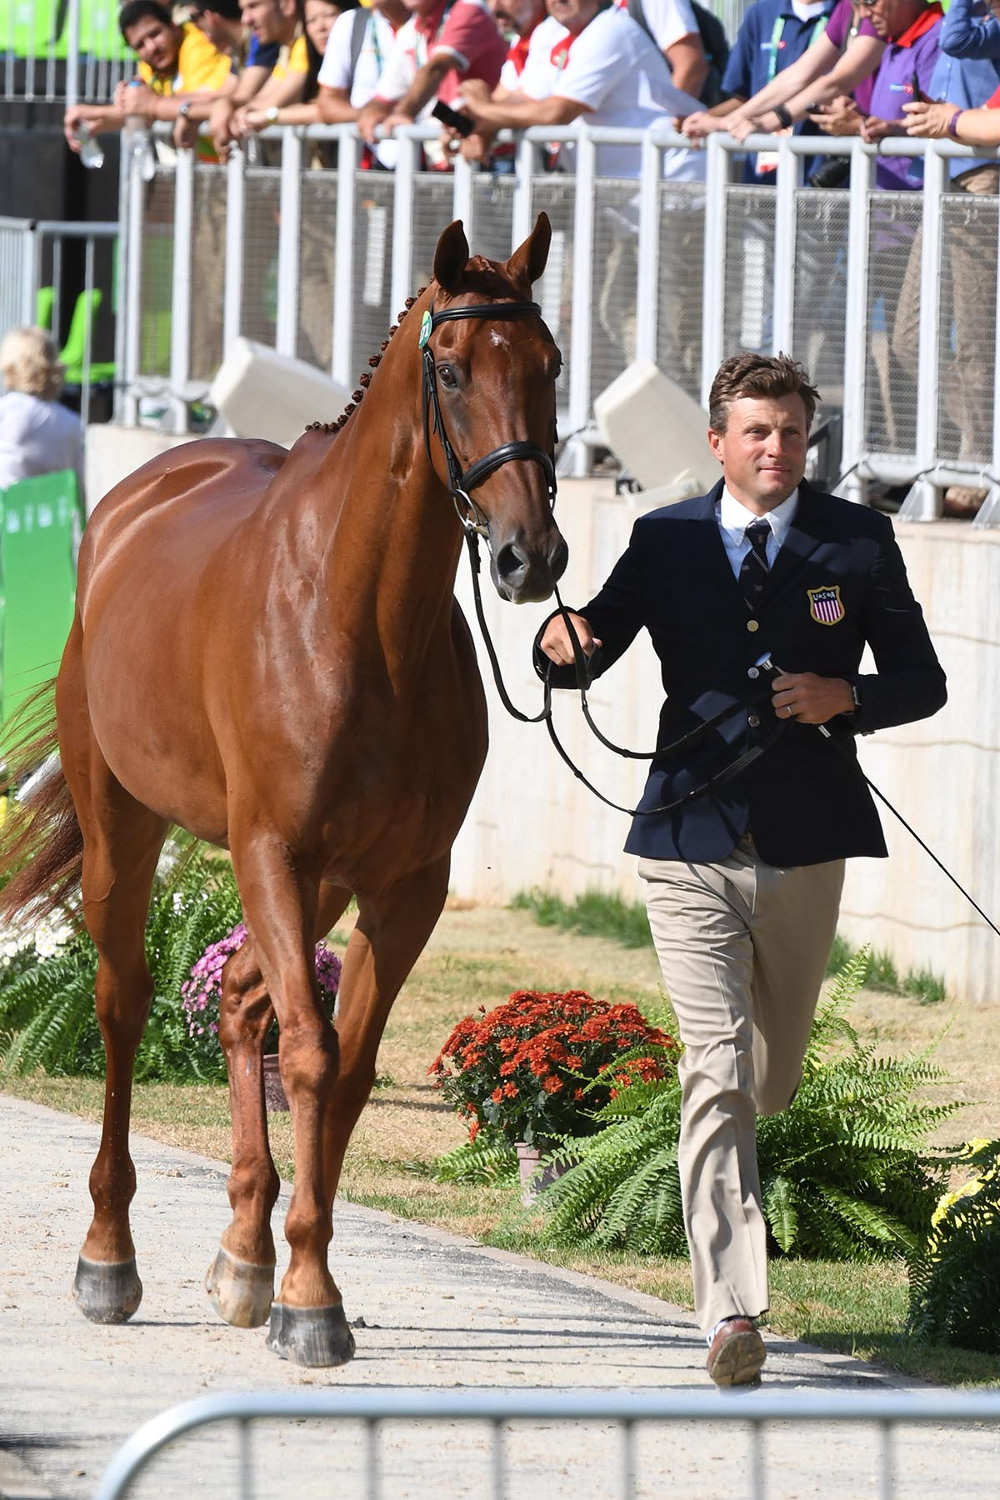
[131, 300]
[923, 503]
[232, 302]
[521, 217]
[402, 219]
[647, 300]
[988, 514]
[73, 54]
[462, 203]
[713, 284]
[180, 291]
[856, 322]
[288, 242]
[582, 300]
[783, 303]
[348, 152]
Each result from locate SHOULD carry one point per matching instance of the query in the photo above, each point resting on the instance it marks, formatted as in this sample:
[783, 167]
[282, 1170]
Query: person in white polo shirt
[591, 61]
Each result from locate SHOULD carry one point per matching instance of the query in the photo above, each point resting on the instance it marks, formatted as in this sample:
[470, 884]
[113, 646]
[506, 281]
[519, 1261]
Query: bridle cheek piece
[473, 519]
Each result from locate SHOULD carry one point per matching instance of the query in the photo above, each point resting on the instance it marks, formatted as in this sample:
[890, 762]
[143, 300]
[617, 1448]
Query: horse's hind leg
[122, 841]
[240, 1281]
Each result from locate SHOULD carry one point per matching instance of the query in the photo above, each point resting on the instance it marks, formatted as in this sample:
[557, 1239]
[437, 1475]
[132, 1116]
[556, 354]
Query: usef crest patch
[825, 606]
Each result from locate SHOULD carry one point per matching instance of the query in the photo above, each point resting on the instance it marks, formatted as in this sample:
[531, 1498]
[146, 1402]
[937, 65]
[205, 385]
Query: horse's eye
[447, 376]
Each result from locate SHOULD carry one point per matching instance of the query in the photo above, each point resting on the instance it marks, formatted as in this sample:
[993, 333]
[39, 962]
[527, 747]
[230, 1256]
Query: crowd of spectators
[874, 68]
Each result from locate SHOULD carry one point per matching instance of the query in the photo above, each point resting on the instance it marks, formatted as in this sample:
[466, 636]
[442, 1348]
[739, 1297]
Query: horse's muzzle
[529, 576]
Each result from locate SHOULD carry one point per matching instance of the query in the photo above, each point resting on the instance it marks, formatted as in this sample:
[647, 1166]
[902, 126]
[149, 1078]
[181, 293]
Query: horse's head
[490, 368]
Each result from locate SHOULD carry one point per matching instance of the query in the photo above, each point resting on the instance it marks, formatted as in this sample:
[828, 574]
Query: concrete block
[657, 431]
[263, 394]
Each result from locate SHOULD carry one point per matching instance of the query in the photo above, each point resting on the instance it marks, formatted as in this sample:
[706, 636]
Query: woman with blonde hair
[37, 434]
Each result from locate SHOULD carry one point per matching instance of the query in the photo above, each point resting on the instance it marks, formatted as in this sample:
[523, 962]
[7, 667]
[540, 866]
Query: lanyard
[777, 36]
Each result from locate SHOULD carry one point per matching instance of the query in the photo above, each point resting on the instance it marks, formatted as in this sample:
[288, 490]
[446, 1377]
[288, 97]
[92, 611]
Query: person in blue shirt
[773, 35]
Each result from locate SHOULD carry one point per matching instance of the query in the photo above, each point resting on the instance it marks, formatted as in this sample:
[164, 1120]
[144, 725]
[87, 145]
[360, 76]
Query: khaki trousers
[743, 949]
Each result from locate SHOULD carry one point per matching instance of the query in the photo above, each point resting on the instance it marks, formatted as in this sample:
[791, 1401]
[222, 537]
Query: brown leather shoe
[737, 1353]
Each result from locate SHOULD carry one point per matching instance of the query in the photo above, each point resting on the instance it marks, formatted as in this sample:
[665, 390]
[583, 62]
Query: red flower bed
[539, 1066]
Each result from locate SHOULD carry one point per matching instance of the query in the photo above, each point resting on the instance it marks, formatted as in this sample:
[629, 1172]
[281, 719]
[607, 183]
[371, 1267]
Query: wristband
[953, 122]
[783, 116]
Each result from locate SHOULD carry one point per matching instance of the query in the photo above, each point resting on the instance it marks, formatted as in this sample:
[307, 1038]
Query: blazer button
[753, 673]
[753, 625]
[754, 721]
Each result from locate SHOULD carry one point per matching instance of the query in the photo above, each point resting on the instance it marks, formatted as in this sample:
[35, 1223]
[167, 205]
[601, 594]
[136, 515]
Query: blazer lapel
[804, 536]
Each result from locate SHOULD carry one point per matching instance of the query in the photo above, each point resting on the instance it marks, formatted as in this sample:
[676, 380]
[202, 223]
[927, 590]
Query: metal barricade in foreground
[754, 1410]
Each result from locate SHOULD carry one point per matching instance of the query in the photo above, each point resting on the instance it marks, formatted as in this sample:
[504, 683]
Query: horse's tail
[41, 845]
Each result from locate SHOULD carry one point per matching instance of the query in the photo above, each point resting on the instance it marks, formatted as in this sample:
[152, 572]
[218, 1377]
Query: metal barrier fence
[868, 288]
[786, 1420]
[32, 256]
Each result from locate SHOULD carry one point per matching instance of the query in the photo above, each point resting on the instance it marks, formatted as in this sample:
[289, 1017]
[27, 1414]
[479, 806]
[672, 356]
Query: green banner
[41, 526]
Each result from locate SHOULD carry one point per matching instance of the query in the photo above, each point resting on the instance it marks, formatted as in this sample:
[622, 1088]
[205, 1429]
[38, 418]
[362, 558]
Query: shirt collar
[917, 28]
[734, 517]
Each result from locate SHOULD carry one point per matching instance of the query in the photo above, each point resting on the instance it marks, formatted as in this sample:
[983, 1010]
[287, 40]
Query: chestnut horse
[267, 651]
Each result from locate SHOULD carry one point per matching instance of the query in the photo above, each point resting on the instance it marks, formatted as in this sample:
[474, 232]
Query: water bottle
[90, 147]
[136, 140]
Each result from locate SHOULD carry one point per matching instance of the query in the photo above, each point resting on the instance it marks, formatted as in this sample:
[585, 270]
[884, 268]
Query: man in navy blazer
[760, 599]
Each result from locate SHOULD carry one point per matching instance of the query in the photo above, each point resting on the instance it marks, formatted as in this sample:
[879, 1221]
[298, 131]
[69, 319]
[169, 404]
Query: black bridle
[460, 485]
[475, 524]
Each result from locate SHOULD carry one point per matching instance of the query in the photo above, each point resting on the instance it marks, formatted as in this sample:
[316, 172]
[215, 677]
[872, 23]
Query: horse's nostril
[510, 561]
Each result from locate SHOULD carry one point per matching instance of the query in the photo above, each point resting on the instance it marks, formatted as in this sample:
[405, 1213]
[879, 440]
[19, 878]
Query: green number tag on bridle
[425, 330]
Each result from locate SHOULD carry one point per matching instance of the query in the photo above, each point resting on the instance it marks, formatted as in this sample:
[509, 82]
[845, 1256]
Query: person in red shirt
[517, 19]
[440, 47]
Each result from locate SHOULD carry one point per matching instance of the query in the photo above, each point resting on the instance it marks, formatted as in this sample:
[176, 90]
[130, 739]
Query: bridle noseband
[471, 516]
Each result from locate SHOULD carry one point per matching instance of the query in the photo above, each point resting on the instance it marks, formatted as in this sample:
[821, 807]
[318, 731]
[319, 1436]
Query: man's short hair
[134, 10]
[229, 10]
[760, 376]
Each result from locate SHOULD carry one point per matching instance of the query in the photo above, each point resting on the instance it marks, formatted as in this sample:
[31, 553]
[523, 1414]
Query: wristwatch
[184, 110]
[271, 114]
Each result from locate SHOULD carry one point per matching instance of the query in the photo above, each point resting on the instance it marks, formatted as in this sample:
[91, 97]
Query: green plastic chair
[44, 300]
[72, 353]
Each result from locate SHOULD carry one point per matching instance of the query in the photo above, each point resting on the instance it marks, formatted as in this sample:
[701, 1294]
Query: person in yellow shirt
[271, 21]
[178, 66]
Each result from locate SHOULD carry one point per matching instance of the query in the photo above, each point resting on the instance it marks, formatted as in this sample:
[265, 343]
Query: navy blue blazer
[838, 584]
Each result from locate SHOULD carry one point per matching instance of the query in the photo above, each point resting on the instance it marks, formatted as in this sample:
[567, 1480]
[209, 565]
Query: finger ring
[788, 710]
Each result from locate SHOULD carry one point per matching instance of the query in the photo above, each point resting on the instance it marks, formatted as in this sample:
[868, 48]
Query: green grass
[607, 915]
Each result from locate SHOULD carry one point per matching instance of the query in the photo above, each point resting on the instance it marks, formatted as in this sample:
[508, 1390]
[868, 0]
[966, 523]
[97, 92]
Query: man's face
[521, 16]
[573, 14]
[154, 43]
[210, 24]
[890, 18]
[763, 449]
[267, 19]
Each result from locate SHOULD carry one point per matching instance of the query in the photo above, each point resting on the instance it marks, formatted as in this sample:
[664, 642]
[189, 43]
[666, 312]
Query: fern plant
[47, 1014]
[955, 1281]
[844, 1173]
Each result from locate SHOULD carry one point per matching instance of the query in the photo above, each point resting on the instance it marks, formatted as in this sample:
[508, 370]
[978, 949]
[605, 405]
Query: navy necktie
[754, 567]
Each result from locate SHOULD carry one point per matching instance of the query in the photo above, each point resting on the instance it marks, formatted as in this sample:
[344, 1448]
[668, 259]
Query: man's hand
[369, 120]
[840, 117]
[930, 119]
[556, 641]
[219, 122]
[808, 698]
[136, 99]
[697, 126]
[874, 130]
[397, 120]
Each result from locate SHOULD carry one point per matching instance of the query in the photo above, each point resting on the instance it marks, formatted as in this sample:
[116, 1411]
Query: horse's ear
[451, 256]
[528, 261]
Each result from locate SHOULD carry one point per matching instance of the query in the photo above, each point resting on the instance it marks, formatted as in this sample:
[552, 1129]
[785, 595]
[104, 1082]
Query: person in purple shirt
[841, 62]
[912, 31]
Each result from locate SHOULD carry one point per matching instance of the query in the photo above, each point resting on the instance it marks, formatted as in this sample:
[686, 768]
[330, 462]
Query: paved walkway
[432, 1310]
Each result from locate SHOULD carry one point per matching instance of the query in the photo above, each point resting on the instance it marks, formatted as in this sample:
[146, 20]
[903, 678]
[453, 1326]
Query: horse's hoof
[241, 1292]
[315, 1336]
[107, 1291]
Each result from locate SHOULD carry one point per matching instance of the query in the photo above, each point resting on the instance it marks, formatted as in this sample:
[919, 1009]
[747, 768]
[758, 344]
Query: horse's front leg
[240, 1281]
[280, 906]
